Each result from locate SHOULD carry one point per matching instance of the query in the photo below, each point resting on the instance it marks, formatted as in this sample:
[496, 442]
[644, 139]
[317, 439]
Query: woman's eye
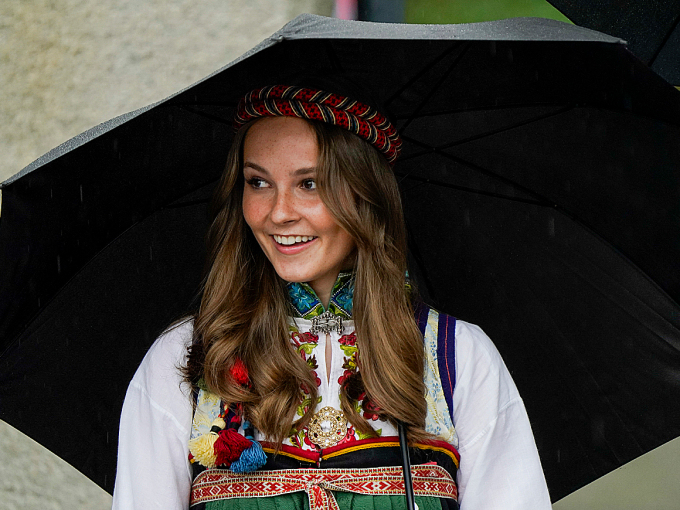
[309, 184]
[256, 182]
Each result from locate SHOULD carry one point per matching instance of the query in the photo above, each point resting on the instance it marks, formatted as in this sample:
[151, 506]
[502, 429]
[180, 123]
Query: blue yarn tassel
[252, 458]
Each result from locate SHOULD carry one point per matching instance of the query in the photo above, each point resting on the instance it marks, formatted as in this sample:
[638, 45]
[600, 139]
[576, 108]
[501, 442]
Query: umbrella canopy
[541, 180]
[651, 28]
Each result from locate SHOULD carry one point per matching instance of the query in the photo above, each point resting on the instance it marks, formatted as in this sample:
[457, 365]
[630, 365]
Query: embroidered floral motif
[378, 433]
[305, 344]
[301, 297]
[307, 304]
[348, 344]
[344, 297]
[351, 435]
[370, 410]
[300, 439]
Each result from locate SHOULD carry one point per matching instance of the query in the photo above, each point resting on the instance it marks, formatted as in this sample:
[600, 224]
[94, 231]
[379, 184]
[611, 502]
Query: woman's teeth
[288, 240]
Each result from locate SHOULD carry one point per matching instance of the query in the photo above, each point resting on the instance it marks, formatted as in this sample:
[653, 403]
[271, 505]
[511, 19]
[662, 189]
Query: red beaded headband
[358, 118]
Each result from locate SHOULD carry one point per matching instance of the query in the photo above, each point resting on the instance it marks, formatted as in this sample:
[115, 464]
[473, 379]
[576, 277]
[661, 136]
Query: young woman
[309, 348]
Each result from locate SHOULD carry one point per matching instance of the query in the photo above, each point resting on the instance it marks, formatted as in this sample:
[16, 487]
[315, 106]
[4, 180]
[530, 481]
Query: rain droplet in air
[150, 252]
[81, 193]
[58, 264]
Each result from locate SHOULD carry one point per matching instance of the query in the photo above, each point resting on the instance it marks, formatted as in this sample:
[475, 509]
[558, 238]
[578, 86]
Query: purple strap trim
[446, 356]
[420, 313]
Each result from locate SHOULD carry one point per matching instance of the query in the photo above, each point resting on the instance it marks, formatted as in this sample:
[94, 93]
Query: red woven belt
[216, 484]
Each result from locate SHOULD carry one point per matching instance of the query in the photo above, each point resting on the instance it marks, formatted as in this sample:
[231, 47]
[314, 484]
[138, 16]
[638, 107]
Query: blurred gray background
[67, 65]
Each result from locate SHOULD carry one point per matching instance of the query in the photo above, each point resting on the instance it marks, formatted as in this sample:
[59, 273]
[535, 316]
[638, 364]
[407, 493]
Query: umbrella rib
[562, 110]
[434, 89]
[523, 123]
[419, 74]
[540, 199]
[425, 180]
[664, 41]
[425, 69]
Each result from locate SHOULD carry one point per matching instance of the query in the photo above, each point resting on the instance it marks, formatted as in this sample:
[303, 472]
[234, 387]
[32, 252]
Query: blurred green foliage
[471, 11]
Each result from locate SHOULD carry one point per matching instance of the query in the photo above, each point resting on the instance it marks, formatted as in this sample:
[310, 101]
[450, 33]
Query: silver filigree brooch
[325, 323]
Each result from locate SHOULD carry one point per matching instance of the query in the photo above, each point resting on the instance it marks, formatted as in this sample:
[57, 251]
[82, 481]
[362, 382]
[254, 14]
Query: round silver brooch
[327, 427]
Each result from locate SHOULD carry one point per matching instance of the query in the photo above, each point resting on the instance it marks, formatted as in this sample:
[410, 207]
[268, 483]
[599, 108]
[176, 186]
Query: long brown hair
[244, 309]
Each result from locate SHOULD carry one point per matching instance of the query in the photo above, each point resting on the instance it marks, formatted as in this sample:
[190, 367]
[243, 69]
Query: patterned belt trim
[216, 484]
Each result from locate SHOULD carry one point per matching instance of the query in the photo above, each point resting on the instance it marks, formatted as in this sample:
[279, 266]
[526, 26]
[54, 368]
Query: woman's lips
[290, 245]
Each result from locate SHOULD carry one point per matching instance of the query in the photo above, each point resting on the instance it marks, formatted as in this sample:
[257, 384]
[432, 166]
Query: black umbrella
[651, 28]
[541, 178]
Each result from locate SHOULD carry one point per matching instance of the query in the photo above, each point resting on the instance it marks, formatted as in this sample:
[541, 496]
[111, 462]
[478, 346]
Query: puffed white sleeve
[499, 465]
[153, 469]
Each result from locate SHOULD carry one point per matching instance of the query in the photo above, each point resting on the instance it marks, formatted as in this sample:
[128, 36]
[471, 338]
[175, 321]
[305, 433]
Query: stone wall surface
[68, 65]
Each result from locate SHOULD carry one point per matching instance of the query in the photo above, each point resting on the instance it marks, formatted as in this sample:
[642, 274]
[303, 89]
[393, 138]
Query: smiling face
[283, 208]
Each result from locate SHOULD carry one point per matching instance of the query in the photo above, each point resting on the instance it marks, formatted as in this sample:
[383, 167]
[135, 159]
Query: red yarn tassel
[229, 446]
[239, 372]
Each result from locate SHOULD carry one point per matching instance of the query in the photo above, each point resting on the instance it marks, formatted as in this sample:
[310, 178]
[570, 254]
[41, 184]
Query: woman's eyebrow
[305, 171]
[297, 173]
[255, 166]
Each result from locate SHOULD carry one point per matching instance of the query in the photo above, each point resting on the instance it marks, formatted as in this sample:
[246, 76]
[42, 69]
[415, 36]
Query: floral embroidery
[351, 435]
[438, 418]
[301, 297]
[305, 344]
[378, 433]
[348, 344]
[345, 296]
[307, 305]
[370, 410]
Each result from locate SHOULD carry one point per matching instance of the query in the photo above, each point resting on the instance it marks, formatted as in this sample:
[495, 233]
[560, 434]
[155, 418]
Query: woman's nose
[283, 209]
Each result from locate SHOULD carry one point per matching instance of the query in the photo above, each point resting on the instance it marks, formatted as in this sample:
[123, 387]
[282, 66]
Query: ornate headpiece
[287, 101]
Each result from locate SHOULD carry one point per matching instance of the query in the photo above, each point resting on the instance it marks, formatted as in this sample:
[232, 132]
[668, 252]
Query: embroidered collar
[307, 305]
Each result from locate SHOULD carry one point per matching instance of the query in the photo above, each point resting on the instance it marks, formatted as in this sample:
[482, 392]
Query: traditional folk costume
[329, 456]
[484, 457]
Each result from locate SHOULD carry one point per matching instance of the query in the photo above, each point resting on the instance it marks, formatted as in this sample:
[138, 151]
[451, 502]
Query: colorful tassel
[202, 448]
[253, 458]
[229, 447]
[239, 372]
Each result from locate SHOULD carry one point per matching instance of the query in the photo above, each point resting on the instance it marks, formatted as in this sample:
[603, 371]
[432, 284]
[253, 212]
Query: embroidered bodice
[306, 307]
